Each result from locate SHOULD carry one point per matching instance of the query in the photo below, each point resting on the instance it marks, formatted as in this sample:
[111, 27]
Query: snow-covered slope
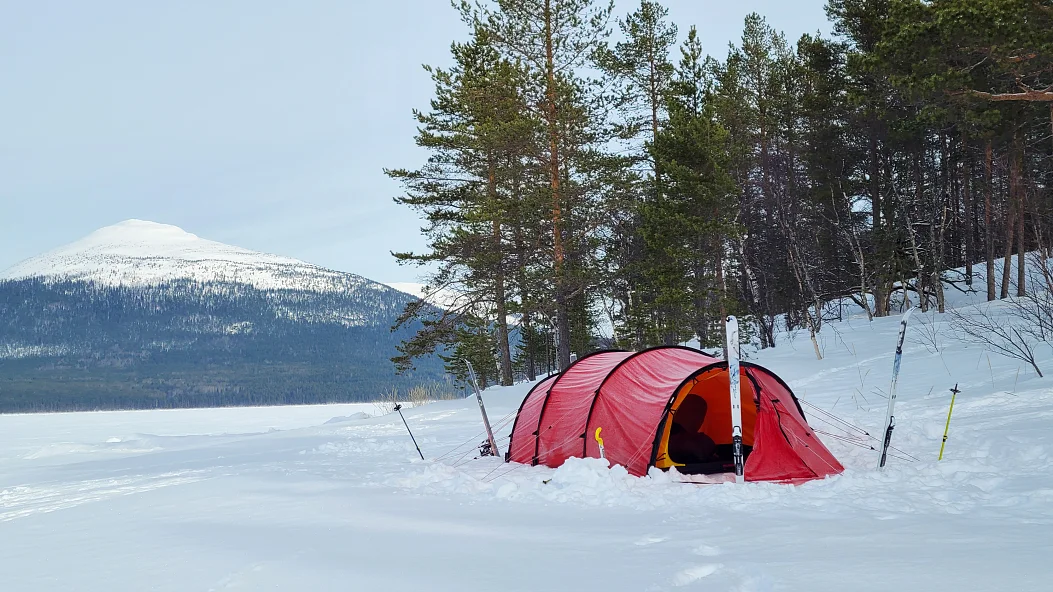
[141, 253]
[447, 299]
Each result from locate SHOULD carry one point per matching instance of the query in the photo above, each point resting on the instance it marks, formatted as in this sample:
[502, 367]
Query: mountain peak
[134, 229]
[140, 252]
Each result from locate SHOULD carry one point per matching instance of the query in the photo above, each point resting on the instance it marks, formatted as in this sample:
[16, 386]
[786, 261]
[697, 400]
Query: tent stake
[947, 428]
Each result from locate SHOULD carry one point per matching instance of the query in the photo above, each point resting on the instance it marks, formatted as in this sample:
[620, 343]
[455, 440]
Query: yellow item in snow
[947, 428]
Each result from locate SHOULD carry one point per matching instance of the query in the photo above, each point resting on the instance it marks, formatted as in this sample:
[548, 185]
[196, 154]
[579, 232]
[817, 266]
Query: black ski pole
[399, 409]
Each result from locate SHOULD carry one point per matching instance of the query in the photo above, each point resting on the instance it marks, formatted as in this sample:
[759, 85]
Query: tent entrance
[696, 434]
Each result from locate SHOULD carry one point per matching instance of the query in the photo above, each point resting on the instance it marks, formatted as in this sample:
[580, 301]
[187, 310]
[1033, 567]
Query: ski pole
[399, 409]
[947, 428]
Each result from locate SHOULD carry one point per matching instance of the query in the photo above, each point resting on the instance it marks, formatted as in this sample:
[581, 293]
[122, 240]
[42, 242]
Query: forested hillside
[67, 345]
[593, 170]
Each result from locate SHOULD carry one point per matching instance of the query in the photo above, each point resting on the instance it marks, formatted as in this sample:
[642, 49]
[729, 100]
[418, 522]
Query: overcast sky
[260, 123]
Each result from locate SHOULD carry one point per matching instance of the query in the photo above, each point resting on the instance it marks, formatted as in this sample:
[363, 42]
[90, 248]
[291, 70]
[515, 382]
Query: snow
[442, 298]
[141, 253]
[445, 298]
[411, 288]
[333, 498]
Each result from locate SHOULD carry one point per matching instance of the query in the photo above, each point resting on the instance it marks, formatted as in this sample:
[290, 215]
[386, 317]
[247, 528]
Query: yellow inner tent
[714, 388]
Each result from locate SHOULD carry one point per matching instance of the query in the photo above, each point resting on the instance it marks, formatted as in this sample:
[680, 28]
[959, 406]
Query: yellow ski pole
[947, 428]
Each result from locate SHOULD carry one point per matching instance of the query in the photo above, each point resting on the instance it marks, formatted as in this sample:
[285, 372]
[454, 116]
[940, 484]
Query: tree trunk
[881, 296]
[863, 283]
[875, 186]
[923, 300]
[988, 222]
[531, 355]
[656, 97]
[504, 351]
[939, 261]
[528, 338]
[804, 284]
[946, 196]
[919, 195]
[1007, 261]
[970, 214]
[554, 166]
[500, 299]
[1016, 186]
[723, 290]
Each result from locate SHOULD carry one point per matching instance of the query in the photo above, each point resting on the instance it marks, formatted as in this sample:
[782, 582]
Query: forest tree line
[73, 345]
[591, 170]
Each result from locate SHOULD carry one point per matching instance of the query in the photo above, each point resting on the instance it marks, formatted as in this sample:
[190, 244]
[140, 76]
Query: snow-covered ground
[279, 499]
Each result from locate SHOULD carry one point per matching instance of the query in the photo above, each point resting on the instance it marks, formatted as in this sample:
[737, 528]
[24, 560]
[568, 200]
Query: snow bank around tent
[955, 487]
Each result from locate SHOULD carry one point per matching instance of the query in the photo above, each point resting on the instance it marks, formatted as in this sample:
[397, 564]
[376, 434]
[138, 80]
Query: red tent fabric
[566, 407]
[524, 431]
[633, 398]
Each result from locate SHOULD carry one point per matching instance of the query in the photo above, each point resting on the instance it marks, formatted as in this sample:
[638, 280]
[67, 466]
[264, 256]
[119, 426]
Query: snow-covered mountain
[150, 315]
[141, 253]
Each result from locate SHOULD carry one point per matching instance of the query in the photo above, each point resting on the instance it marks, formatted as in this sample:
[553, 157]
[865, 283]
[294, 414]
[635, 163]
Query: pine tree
[554, 38]
[481, 139]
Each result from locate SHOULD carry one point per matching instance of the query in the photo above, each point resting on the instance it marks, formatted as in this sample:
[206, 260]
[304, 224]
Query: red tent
[634, 398]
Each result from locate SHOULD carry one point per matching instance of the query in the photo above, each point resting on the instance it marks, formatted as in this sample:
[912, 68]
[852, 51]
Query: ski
[482, 409]
[890, 417]
[736, 396]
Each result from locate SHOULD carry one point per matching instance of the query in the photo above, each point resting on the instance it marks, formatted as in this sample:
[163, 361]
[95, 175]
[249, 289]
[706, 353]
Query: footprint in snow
[695, 573]
[651, 540]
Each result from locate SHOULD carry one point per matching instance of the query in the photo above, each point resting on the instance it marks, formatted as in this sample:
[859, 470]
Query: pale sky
[261, 123]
